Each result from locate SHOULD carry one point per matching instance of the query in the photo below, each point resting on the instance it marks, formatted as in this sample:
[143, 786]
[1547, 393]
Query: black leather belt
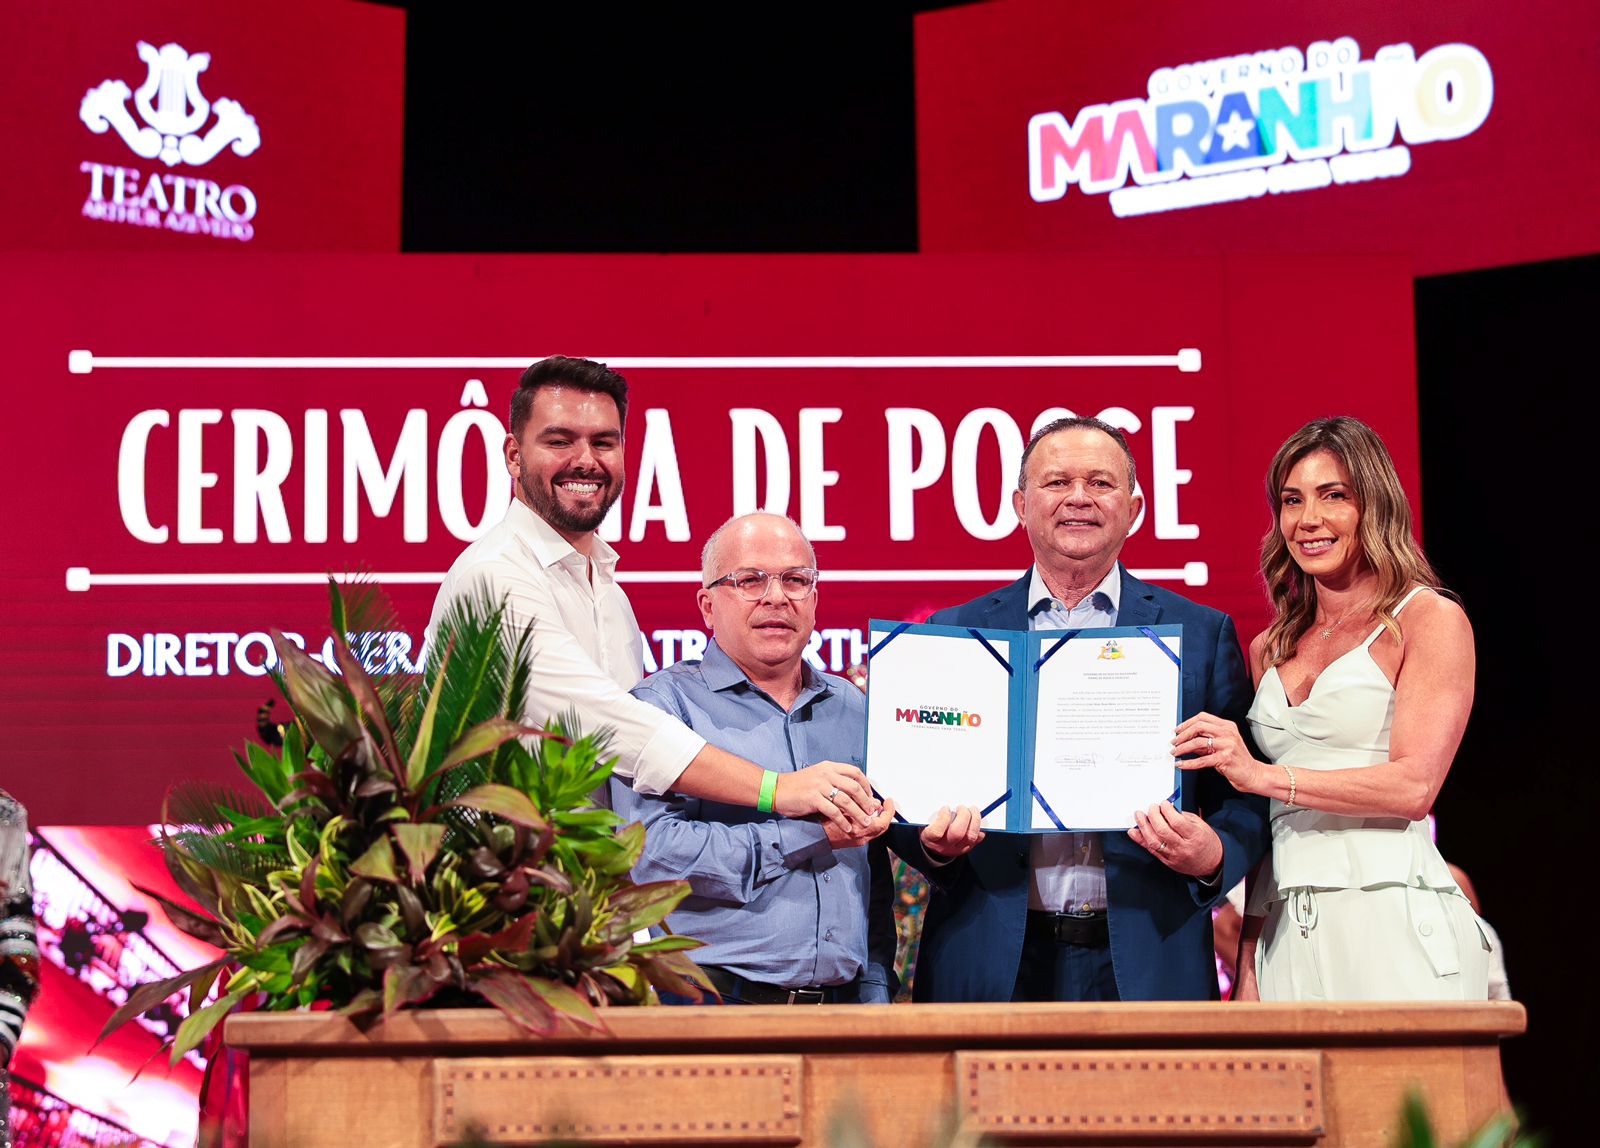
[731, 984]
[1087, 929]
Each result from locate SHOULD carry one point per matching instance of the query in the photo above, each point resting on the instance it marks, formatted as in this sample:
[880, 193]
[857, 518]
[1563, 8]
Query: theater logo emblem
[174, 133]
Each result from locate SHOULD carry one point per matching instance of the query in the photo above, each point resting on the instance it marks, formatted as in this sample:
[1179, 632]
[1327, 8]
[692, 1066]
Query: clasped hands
[839, 795]
[852, 815]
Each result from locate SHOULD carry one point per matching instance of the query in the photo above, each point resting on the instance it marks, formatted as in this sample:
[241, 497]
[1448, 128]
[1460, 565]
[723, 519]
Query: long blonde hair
[1384, 532]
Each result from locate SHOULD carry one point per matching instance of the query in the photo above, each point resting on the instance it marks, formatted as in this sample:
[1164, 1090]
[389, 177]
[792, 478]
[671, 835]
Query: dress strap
[1401, 605]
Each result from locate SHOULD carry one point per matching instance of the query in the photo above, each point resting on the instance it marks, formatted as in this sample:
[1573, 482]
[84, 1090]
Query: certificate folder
[1044, 731]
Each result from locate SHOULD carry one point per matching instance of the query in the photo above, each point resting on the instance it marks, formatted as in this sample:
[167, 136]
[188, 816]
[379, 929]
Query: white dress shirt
[1068, 870]
[587, 650]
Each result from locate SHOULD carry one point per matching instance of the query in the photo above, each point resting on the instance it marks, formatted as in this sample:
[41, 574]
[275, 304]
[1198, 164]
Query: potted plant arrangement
[414, 839]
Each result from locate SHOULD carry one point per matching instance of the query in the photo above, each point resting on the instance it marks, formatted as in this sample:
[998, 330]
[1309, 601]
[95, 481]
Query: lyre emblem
[171, 105]
[175, 80]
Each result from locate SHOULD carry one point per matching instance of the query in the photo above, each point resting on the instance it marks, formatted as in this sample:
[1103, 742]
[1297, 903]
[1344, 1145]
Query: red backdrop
[112, 690]
[1515, 188]
[312, 91]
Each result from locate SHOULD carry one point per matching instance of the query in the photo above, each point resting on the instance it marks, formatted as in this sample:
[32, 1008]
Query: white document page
[937, 725]
[1103, 741]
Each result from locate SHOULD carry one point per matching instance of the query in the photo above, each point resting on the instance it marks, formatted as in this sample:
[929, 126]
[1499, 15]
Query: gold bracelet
[1290, 772]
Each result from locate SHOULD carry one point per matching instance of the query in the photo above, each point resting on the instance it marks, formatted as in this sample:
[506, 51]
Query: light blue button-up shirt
[1068, 870]
[772, 899]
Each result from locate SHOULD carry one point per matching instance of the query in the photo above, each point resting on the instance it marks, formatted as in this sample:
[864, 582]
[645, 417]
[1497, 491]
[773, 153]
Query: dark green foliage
[406, 841]
[1416, 1130]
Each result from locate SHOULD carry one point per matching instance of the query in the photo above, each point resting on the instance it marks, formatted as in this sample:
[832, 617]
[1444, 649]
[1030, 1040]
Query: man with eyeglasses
[792, 912]
[558, 578]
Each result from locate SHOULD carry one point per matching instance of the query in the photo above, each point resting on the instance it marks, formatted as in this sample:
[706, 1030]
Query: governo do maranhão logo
[1271, 122]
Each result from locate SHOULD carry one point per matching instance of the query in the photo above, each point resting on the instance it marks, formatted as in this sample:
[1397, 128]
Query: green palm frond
[232, 832]
[484, 673]
[366, 617]
[208, 805]
[514, 695]
[571, 726]
[513, 703]
[231, 856]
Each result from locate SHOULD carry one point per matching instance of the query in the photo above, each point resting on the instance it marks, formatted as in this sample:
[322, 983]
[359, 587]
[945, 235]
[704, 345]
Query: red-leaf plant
[414, 836]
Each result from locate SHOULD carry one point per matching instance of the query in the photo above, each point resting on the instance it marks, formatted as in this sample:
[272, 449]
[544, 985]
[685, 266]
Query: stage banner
[1168, 127]
[182, 125]
[193, 443]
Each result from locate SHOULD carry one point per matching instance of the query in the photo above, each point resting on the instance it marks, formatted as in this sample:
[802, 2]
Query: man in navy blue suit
[1089, 916]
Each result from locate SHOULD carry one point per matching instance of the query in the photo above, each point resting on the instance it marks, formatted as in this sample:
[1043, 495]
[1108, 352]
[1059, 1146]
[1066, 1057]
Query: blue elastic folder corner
[889, 637]
[1045, 805]
[993, 653]
[1160, 645]
[1066, 636]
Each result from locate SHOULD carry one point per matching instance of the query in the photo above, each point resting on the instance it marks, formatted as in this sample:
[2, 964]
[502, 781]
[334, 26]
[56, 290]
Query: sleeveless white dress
[1356, 908]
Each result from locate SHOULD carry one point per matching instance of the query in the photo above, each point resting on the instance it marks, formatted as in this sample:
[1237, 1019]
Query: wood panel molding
[617, 1100]
[1181, 1095]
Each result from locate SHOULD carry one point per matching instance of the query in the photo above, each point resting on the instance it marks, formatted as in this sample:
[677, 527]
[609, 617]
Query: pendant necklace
[1327, 631]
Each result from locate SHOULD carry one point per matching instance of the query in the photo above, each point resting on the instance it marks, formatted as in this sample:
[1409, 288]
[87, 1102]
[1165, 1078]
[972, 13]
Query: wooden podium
[1194, 1073]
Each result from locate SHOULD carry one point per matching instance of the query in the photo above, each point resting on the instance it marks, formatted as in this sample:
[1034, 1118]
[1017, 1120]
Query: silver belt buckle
[805, 996]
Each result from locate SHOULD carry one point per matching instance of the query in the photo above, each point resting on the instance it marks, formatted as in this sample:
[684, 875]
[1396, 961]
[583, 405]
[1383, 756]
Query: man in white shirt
[558, 577]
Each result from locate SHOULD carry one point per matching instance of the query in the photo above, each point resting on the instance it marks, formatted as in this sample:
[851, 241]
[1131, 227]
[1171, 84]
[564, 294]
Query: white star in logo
[1235, 133]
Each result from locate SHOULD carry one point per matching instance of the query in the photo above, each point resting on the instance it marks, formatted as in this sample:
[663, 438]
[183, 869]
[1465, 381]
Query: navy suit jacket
[1160, 921]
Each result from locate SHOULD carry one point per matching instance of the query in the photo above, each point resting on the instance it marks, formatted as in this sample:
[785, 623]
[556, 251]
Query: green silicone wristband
[769, 790]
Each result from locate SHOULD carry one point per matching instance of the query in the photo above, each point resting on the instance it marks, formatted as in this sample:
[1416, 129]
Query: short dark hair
[1077, 422]
[561, 371]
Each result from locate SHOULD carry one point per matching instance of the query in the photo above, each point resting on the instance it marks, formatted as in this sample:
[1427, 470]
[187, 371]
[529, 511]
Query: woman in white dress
[1363, 685]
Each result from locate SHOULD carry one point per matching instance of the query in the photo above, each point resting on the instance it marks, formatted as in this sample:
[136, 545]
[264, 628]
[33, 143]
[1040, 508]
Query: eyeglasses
[796, 582]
